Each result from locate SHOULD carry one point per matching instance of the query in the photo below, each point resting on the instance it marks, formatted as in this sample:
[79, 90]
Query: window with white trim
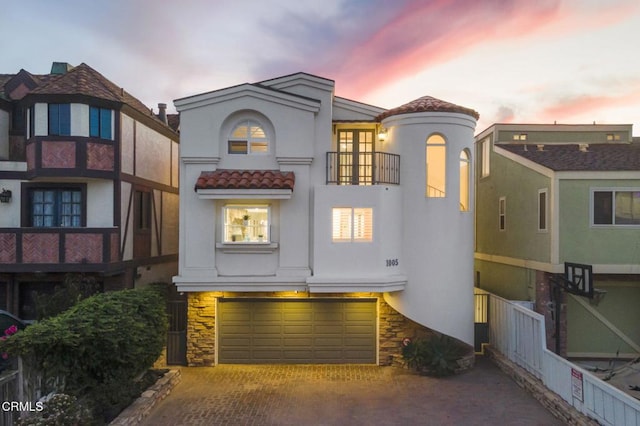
[352, 224]
[246, 224]
[465, 178]
[436, 162]
[502, 213]
[248, 137]
[485, 153]
[615, 207]
[543, 209]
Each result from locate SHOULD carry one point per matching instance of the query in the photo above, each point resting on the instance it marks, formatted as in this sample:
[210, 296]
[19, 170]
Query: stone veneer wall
[201, 330]
[393, 327]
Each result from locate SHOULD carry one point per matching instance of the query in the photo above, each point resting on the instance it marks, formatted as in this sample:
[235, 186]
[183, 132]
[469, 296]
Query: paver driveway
[345, 395]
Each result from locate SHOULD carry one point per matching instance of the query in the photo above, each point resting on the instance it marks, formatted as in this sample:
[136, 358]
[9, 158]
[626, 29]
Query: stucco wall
[583, 243]
[519, 185]
[437, 236]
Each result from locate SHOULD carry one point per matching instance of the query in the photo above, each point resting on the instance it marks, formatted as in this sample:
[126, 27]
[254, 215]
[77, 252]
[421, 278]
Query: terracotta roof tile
[597, 157]
[428, 104]
[245, 179]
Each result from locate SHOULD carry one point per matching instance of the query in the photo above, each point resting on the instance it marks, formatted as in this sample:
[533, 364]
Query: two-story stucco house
[313, 227]
[550, 194]
[89, 184]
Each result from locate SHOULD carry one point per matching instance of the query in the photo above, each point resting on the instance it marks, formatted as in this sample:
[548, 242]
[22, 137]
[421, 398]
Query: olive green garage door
[293, 331]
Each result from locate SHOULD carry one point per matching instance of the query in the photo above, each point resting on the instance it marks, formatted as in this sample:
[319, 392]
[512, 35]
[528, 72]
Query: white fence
[519, 334]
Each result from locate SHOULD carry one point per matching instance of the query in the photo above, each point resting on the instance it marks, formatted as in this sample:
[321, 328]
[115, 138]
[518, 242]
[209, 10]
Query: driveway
[345, 395]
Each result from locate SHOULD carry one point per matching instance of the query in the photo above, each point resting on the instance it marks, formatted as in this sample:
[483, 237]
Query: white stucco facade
[418, 251]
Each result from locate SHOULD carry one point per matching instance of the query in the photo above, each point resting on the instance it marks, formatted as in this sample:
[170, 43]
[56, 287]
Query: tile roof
[245, 179]
[569, 157]
[84, 80]
[428, 104]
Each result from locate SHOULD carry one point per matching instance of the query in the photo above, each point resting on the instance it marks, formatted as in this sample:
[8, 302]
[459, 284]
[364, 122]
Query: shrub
[96, 349]
[58, 410]
[437, 355]
[74, 288]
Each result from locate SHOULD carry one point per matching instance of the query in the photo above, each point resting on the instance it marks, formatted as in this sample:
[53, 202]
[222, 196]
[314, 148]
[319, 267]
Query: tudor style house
[89, 184]
[317, 229]
[550, 194]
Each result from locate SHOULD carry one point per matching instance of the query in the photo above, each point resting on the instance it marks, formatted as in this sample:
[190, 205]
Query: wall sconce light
[382, 134]
[5, 196]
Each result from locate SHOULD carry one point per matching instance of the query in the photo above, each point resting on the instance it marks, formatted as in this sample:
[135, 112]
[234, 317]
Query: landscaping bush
[96, 349]
[437, 355]
[73, 289]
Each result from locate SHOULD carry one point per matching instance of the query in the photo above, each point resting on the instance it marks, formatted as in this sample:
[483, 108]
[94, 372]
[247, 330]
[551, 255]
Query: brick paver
[345, 395]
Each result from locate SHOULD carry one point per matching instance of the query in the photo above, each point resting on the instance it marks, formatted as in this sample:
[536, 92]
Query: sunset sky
[522, 61]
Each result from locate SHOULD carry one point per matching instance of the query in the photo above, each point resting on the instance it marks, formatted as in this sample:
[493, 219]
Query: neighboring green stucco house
[550, 194]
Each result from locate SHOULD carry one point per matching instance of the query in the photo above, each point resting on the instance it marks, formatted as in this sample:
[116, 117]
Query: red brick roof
[598, 157]
[428, 104]
[246, 179]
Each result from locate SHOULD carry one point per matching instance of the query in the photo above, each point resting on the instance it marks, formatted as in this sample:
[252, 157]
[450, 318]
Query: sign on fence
[576, 384]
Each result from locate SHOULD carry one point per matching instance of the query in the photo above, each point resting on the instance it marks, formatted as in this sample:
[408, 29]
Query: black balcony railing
[367, 168]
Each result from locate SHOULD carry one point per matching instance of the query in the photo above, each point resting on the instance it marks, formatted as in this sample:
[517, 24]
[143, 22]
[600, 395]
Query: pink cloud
[428, 33]
[579, 106]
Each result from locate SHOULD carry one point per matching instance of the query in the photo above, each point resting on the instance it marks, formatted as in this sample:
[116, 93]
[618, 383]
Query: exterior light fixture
[5, 196]
[382, 134]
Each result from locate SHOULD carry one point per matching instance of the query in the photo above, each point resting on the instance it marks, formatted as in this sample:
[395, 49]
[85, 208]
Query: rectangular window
[60, 119]
[100, 122]
[486, 157]
[502, 213]
[143, 210]
[352, 224]
[56, 207]
[616, 207]
[520, 137]
[247, 224]
[237, 147]
[542, 210]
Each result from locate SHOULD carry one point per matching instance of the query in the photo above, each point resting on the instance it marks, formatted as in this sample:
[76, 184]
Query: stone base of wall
[550, 400]
[141, 407]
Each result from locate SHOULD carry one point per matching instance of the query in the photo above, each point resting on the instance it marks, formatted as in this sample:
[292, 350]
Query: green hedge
[98, 347]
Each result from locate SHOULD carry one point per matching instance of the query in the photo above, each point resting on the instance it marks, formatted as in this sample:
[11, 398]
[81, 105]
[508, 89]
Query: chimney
[540, 147]
[60, 68]
[584, 147]
[162, 112]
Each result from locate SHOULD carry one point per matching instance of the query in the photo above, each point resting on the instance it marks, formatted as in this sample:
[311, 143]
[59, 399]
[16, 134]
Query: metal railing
[367, 168]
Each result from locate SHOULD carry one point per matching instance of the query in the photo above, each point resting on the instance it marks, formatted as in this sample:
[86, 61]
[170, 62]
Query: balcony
[58, 249]
[367, 168]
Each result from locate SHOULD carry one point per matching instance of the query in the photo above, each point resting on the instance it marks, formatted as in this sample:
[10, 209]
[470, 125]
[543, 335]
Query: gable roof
[428, 104]
[569, 157]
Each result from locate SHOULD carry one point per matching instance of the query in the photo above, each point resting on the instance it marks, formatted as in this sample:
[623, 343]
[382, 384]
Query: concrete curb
[549, 399]
[141, 407]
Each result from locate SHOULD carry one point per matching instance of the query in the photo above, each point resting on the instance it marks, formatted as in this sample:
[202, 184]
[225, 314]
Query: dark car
[7, 320]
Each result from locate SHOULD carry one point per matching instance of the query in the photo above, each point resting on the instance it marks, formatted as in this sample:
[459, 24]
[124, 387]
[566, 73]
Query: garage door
[297, 331]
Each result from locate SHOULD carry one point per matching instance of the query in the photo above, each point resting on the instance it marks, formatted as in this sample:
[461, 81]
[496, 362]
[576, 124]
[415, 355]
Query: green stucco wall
[521, 238]
[583, 243]
[621, 306]
[510, 282]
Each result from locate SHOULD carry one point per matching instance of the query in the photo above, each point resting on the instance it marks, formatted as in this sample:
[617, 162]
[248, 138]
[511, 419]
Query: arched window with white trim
[248, 137]
[465, 177]
[436, 167]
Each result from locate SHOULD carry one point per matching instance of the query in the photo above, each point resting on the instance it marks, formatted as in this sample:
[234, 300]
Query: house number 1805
[392, 262]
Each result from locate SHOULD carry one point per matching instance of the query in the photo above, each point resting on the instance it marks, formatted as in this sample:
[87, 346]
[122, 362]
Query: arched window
[436, 166]
[465, 175]
[248, 137]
